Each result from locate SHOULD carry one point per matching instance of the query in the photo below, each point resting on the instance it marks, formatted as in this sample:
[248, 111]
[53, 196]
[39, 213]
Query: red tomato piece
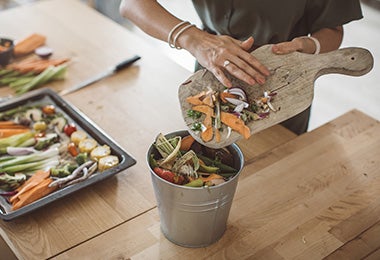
[164, 174]
[69, 129]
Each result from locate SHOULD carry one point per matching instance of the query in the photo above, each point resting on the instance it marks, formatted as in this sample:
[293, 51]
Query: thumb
[247, 44]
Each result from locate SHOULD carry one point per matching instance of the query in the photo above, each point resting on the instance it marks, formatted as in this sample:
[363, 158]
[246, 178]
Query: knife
[109, 72]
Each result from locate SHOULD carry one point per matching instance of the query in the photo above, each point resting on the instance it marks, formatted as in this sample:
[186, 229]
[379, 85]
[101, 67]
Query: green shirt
[273, 21]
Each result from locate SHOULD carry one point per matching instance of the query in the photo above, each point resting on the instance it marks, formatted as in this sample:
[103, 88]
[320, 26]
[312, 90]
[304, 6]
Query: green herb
[196, 127]
[194, 114]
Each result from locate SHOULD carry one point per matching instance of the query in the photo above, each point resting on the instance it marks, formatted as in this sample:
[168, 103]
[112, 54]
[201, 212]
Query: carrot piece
[40, 190]
[11, 125]
[186, 143]
[15, 126]
[207, 134]
[208, 100]
[224, 95]
[29, 44]
[36, 66]
[36, 178]
[212, 176]
[208, 120]
[12, 131]
[204, 109]
[196, 99]
[235, 123]
[7, 123]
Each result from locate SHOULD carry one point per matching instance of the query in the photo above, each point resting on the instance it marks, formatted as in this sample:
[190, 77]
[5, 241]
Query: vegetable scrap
[29, 44]
[211, 111]
[183, 161]
[28, 72]
[42, 151]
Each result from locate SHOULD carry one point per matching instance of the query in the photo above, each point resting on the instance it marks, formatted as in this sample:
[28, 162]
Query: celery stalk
[15, 140]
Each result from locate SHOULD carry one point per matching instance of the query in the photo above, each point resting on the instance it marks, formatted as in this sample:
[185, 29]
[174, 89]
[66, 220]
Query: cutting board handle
[351, 61]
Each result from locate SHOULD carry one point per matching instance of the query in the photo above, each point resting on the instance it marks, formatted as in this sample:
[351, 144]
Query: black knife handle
[126, 63]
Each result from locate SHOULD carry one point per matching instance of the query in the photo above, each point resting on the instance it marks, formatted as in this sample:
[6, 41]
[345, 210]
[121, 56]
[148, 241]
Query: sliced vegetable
[36, 178]
[164, 174]
[87, 145]
[10, 182]
[40, 190]
[59, 123]
[186, 143]
[78, 136]
[50, 73]
[71, 128]
[99, 152]
[29, 44]
[107, 162]
[10, 132]
[72, 149]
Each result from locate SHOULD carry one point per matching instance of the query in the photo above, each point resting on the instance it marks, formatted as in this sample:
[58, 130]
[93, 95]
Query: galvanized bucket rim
[182, 132]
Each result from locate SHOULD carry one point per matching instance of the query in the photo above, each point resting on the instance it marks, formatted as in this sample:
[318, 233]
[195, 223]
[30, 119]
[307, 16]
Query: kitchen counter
[309, 196]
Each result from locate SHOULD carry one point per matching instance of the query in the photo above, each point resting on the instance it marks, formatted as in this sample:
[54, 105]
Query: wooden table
[312, 196]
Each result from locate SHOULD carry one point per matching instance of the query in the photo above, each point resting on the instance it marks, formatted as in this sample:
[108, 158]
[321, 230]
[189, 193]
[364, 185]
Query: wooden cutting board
[292, 77]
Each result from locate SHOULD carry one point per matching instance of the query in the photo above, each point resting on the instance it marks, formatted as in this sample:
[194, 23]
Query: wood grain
[120, 105]
[292, 78]
[311, 196]
[305, 203]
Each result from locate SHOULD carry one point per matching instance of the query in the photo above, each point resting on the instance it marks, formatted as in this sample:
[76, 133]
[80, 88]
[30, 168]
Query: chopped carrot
[40, 190]
[11, 125]
[6, 123]
[208, 120]
[224, 95]
[6, 132]
[196, 99]
[36, 65]
[186, 143]
[36, 178]
[208, 100]
[204, 109]
[29, 44]
[212, 176]
[235, 123]
[207, 134]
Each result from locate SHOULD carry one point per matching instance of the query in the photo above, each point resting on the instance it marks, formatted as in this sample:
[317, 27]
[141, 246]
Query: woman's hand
[301, 44]
[329, 39]
[222, 54]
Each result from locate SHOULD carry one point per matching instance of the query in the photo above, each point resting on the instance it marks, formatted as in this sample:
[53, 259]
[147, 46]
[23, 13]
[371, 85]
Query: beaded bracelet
[316, 42]
[173, 30]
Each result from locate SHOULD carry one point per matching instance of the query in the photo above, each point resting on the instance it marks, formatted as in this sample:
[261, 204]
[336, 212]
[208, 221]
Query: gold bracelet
[179, 33]
[172, 31]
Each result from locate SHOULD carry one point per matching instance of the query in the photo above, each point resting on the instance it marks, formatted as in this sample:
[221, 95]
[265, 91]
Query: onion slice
[239, 92]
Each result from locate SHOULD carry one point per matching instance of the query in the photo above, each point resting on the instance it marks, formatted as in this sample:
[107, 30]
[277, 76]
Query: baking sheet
[47, 95]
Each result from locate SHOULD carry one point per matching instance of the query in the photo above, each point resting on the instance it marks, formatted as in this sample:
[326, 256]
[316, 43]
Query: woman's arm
[211, 51]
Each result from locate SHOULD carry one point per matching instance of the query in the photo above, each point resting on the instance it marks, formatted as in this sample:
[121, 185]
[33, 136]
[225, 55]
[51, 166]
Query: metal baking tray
[47, 95]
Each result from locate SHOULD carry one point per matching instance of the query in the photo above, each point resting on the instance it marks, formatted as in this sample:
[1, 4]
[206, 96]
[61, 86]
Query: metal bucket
[195, 217]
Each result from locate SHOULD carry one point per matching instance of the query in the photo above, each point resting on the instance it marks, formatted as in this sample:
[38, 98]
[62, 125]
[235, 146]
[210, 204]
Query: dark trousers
[298, 124]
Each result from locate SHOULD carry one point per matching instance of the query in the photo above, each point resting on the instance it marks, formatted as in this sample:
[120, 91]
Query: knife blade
[124, 64]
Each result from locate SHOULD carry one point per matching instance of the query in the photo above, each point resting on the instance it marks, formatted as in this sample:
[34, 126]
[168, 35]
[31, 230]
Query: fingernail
[252, 81]
[261, 80]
